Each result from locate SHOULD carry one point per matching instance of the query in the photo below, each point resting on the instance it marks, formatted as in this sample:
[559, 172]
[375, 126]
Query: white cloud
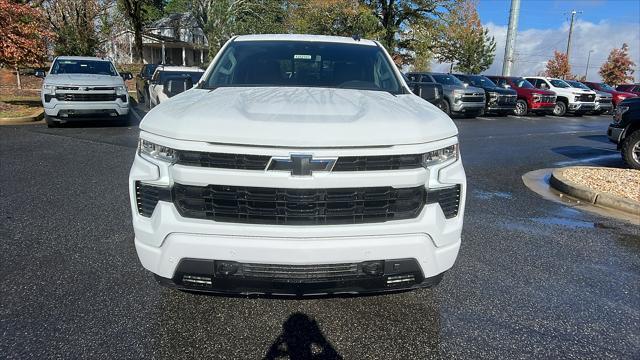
[535, 46]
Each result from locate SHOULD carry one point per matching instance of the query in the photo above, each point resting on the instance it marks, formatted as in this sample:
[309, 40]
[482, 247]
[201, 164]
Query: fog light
[399, 279]
[196, 280]
[226, 267]
[373, 267]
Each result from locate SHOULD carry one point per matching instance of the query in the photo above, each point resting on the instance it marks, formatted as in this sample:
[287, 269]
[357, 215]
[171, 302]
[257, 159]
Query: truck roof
[94, 58]
[301, 37]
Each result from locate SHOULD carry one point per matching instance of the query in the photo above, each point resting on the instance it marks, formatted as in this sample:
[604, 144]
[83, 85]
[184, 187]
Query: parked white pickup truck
[81, 88]
[568, 98]
[298, 165]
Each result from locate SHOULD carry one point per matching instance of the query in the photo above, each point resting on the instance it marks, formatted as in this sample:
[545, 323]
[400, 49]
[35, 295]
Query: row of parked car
[474, 95]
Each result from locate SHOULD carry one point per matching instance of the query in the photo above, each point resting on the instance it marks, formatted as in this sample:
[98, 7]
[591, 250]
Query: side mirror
[40, 73]
[126, 75]
[176, 85]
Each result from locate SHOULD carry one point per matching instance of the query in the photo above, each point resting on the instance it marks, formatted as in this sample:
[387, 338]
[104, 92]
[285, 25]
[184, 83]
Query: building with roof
[175, 39]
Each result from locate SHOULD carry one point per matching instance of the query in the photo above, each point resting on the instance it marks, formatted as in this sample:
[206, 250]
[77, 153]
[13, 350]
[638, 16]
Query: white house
[175, 39]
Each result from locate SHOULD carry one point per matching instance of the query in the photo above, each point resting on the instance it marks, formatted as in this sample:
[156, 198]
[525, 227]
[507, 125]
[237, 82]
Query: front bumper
[581, 107]
[603, 107]
[496, 107]
[70, 109]
[614, 133]
[542, 107]
[166, 238]
[467, 107]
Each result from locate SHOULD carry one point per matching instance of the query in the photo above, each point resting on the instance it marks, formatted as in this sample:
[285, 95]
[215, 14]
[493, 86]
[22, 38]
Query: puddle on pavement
[486, 195]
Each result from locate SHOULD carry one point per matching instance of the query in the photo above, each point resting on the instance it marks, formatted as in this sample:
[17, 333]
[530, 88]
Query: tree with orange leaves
[558, 67]
[619, 68]
[22, 36]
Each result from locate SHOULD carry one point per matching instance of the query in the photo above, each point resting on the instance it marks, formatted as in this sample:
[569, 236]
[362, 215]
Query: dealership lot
[534, 277]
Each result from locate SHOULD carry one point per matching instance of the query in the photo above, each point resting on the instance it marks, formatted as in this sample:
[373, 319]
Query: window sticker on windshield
[302, 56]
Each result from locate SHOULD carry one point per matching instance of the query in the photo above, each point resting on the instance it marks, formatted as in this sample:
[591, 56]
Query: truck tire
[560, 109]
[51, 123]
[631, 150]
[444, 106]
[522, 109]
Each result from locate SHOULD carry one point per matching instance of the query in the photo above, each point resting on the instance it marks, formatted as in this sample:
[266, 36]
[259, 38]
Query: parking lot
[534, 278]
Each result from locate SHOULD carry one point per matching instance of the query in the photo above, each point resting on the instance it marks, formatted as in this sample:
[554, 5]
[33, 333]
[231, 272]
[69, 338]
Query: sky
[543, 27]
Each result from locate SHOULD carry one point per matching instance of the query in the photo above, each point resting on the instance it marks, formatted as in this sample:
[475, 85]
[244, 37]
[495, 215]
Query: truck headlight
[49, 89]
[121, 90]
[155, 151]
[537, 97]
[440, 156]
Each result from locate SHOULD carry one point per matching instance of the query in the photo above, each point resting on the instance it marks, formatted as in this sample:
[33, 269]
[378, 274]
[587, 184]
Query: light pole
[586, 71]
[510, 46]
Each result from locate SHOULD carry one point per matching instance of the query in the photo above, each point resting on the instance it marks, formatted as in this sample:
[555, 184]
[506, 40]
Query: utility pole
[573, 16]
[510, 46]
[586, 71]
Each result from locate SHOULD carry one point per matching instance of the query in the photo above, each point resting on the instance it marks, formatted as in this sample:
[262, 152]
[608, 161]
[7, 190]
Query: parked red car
[630, 88]
[530, 99]
[617, 95]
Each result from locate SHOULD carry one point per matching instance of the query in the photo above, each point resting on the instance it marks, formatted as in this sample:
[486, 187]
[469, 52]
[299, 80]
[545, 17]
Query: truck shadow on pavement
[586, 155]
[400, 325]
[301, 338]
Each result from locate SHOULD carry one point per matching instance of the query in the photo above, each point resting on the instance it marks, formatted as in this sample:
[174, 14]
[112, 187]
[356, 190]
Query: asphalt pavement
[534, 278]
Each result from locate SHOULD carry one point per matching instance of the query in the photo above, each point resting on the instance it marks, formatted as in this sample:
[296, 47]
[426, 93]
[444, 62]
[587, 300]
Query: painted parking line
[588, 160]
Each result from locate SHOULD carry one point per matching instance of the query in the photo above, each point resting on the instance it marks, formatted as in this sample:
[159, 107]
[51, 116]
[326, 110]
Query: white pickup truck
[158, 92]
[81, 88]
[298, 165]
[568, 98]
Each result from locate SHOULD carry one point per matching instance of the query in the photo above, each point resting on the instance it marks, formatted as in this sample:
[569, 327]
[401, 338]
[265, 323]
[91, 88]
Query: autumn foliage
[619, 68]
[558, 67]
[22, 35]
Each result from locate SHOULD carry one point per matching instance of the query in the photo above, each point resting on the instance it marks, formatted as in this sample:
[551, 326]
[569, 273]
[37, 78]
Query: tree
[397, 17]
[139, 13]
[558, 67]
[222, 19]
[619, 68]
[22, 36]
[333, 17]
[464, 41]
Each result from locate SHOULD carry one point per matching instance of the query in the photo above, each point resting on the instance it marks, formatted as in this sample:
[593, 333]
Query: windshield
[481, 81]
[447, 79]
[96, 67]
[606, 87]
[164, 75]
[577, 84]
[303, 63]
[559, 83]
[523, 83]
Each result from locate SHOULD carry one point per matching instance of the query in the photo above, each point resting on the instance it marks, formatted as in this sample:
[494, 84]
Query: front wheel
[631, 150]
[560, 109]
[522, 108]
[444, 106]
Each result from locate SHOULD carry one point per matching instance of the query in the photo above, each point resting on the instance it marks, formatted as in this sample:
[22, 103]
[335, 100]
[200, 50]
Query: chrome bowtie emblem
[300, 164]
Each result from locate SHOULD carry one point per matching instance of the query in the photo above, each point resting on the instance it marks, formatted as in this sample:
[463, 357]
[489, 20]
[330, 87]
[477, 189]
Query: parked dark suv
[625, 131]
[142, 82]
[498, 100]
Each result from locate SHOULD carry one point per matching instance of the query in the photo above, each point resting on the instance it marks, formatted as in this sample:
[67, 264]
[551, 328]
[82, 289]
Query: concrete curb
[559, 182]
[22, 119]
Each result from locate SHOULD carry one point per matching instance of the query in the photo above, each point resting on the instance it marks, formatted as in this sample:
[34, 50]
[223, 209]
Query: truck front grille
[587, 97]
[604, 100]
[298, 273]
[85, 97]
[473, 98]
[298, 206]
[507, 99]
[260, 162]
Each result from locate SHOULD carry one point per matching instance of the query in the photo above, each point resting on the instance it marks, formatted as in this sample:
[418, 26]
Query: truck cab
[568, 99]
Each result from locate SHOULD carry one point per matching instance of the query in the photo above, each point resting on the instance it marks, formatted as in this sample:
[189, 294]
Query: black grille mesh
[298, 206]
[85, 97]
[147, 197]
[448, 198]
[260, 162]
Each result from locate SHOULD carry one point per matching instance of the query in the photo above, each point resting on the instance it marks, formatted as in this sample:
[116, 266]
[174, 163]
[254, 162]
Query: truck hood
[500, 90]
[298, 117]
[539, 91]
[83, 80]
